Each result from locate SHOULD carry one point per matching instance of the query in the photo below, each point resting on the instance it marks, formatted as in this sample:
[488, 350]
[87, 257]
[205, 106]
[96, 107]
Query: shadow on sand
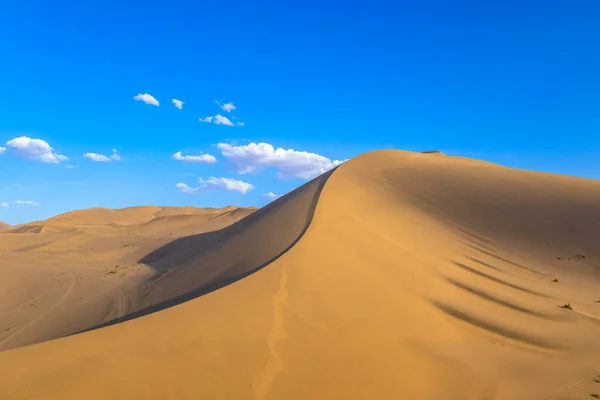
[166, 260]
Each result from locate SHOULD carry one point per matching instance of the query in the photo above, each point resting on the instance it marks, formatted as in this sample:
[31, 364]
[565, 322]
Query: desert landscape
[396, 275]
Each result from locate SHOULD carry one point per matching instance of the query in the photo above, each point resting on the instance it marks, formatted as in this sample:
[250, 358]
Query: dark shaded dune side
[192, 266]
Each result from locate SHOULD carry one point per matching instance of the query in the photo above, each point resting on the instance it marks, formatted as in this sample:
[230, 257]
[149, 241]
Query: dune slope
[4, 227]
[420, 276]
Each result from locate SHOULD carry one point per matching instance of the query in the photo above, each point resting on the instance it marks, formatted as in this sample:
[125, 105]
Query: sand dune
[115, 218]
[4, 227]
[399, 276]
[80, 270]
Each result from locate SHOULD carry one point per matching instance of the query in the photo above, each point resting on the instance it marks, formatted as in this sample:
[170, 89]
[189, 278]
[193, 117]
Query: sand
[4, 227]
[399, 276]
[82, 269]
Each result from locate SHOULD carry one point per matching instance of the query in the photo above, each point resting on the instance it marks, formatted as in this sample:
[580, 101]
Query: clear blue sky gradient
[514, 82]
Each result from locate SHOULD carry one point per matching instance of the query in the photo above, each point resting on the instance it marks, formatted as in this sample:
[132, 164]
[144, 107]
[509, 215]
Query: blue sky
[506, 81]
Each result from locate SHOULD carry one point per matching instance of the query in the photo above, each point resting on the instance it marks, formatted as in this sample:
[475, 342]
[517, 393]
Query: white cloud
[102, 158]
[203, 158]
[34, 149]
[146, 98]
[72, 166]
[213, 183]
[183, 188]
[29, 203]
[221, 120]
[289, 162]
[97, 157]
[2, 150]
[227, 184]
[4, 204]
[228, 107]
[177, 103]
[270, 195]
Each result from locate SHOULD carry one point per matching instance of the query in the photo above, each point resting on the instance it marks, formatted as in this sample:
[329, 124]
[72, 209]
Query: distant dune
[106, 217]
[398, 275]
[81, 269]
[4, 227]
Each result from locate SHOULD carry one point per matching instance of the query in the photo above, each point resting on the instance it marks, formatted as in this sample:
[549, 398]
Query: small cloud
[34, 149]
[289, 162]
[72, 166]
[213, 183]
[221, 120]
[227, 107]
[183, 188]
[270, 195]
[2, 150]
[97, 157]
[102, 158]
[29, 203]
[146, 98]
[177, 103]
[227, 184]
[4, 204]
[202, 158]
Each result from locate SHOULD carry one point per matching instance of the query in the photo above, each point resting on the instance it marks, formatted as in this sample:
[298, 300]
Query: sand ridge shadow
[506, 260]
[497, 300]
[206, 242]
[497, 329]
[475, 260]
[497, 280]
